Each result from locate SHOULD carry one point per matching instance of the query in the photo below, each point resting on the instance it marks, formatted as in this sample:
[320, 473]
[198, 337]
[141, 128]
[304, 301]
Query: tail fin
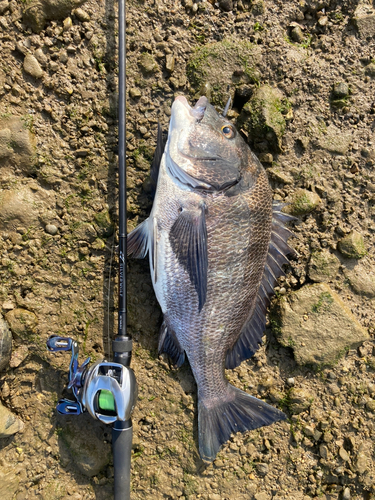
[238, 412]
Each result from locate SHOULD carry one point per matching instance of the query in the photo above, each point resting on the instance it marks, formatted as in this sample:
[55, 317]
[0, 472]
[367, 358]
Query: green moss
[324, 303]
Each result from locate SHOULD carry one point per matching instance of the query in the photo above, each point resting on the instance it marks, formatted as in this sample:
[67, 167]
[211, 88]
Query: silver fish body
[216, 245]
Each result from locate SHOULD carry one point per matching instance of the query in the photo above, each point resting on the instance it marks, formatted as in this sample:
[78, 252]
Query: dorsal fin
[155, 165]
[252, 331]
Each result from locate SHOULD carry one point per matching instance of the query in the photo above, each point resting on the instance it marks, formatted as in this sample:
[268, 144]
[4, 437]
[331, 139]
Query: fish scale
[216, 247]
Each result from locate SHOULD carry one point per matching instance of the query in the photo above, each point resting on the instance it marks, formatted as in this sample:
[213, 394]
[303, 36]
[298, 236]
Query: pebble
[67, 24]
[41, 57]
[296, 34]
[135, 92]
[340, 90]
[82, 15]
[290, 381]
[346, 494]
[262, 469]
[32, 66]
[51, 229]
[9, 423]
[344, 454]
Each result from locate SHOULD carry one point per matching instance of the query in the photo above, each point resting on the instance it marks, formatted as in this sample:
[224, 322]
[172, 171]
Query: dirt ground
[58, 216]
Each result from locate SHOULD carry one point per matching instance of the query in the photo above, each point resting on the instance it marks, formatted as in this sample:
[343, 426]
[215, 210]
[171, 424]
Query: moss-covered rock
[263, 118]
[302, 202]
[316, 324]
[22, 322]
[352, 246]
[323, 266]
[217, 65]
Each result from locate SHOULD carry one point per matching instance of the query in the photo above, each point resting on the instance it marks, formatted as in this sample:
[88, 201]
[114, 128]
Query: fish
[217, 244]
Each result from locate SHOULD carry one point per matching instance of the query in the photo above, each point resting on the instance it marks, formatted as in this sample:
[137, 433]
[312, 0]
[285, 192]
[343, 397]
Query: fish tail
[236, 412]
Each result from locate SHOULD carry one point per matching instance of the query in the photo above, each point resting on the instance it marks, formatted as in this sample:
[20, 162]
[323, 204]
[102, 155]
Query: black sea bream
[216, 245]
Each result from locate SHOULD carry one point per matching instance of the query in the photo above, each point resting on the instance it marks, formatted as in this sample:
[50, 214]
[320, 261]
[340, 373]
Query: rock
[362, 460]
[170, 62]
[37, 12]
[104, 226]
[346, 494]
[5, 343]
[262, 469]
[9, 482]
[21, 322]
[20, 207]
[323, 451]
[344, 454]
[364, 19]
[370, 405]
[323, 266]
[216, 64]
[262, 496]
[334, 140]
[278, 175]
[87, 450]
[84, 232]
[370, 70]
[352, 246]
[362, 280]
[301, 202]
[82, 15]
[135, 92]
[148, 64]
[340, 90]
[41, 57]
[296, 34]
[226, 5]
[51, 229]
[17, 143]
[9, 423]
[67, 24]
[32, 66]
[299, 399]
[18, 356]
[4, 6]
[316, 324]
[263, 118]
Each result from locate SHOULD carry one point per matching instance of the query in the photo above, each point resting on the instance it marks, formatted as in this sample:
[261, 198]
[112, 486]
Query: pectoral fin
[137, 241]
[188, 238]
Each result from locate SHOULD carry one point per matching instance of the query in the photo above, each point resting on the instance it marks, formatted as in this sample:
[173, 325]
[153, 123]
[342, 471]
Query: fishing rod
[108, 390]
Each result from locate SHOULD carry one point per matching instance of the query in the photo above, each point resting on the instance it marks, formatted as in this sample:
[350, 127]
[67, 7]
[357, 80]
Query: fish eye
[228, 131]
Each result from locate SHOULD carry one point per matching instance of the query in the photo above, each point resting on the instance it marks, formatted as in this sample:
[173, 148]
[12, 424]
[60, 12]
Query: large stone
[352, 245]
[22, 322]
[334, 140]
[316, 324]
[302, 202]
[213, 65]
[17, 143]
[362, 279]
[323, 266]
[87, 449]
[5, 343]
[37, 12]
[32, 66]
[364, 19]
[9, 482]
[21, 206]
[9, 423]
[263, 118]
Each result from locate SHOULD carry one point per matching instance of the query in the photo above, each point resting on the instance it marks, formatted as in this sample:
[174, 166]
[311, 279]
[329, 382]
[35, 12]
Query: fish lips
[198, 167]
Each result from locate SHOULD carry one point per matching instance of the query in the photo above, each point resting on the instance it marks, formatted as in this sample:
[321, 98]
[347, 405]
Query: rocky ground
[302, 79]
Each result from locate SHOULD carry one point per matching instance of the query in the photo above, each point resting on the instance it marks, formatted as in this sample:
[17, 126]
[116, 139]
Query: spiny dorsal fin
[252, 331]
[155, 165]
[188, 238]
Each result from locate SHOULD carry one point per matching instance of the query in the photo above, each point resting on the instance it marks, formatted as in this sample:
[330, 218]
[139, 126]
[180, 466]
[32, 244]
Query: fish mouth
[193, 165]
[197, 112]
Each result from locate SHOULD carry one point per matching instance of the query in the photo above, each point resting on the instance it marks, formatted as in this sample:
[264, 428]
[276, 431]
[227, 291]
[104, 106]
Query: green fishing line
[106, 401]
